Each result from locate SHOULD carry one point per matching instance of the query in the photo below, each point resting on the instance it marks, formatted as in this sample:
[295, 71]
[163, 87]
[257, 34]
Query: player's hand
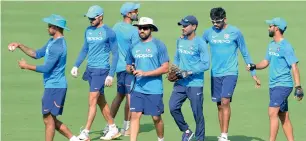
[298, 93]
[257, 81]
[108, 81]
[74, 72]
[183, 74]
[172, 77]
[250, 67]
[22, 64]
[13, 46]
[139, 73]
[132, 68]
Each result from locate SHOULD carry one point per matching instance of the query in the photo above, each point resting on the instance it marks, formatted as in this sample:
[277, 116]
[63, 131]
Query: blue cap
[188, 20]
[94, 11]
[56, 20]
[128, 7]
[279, 22]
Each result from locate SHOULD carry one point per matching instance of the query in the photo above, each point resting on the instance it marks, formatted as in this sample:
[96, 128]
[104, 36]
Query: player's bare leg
[135, 119]
[92, 101]
[127, 116]
[159, 126]
[273, 115]
[287, 126]
[62, 128]
[226, 116]
[105, 110]
[220, 113]
[49, 127]
[116, 104]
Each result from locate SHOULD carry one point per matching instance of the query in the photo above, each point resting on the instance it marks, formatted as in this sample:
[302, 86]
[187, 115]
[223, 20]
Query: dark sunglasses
[143, 27]
[91, 19]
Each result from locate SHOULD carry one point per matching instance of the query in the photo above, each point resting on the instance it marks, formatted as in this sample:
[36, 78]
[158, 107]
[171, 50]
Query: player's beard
[271, 33]
[144, 36]
[134, 17]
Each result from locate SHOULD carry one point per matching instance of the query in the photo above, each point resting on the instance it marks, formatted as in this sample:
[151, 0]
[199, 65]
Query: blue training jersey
[192, 55]
[98, 44]
[280, 56]
[55, 54]
[148, 56]
[224, 45]
[126, 35]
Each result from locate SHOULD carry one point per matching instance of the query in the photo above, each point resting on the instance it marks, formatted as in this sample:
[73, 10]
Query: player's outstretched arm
[54, 53]
[261, 65]
[28, 51]
[157, 72]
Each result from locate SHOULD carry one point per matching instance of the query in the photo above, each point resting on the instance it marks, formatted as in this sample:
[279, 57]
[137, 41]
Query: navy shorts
[223, 87]
[148, 104]
[279, 97]
[124, 81]
[53, 101]
[96, 79]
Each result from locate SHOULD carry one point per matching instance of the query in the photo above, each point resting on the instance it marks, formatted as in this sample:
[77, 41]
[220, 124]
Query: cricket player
[53, 69]
[126, 34]
[151, 61]
[99, 41]
[192, 57]
[225, 40]
[281, 58]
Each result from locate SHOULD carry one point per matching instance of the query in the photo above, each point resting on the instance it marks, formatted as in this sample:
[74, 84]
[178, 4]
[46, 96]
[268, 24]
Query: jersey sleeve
[289, 55]
[115, 55]
[55, 51]
[244, 50]
[82, 54]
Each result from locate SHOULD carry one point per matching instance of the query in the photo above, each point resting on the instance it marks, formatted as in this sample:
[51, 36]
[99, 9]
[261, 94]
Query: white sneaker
[84, 136]
[105, 130]
[222, 139]
[125, 132]
[111, 134]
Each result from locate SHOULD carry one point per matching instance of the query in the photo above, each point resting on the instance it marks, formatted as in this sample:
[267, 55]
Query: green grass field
[22, 90]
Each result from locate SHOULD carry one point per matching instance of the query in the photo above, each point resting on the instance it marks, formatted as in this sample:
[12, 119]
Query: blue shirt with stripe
[224, 45]
[148, 56]
[126, 34]
[281, 57]
[53, 69]
[98, 44]
[192, 55]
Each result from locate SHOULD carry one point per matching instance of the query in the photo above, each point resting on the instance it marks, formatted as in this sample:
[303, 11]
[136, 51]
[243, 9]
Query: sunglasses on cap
[217, 21]
[92, 19]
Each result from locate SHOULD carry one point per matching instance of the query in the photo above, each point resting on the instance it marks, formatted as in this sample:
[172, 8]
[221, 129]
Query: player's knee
[48, 120]
[135, 115]
[226, 102]
[273, 112]
[283, 116]
[157, 119]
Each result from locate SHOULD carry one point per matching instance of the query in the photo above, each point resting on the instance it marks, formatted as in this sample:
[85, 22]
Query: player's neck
[147, 40]
[127, 20]
[57, 35]
[225, 26]
[278, 38]
[191, 36]
[101, 24]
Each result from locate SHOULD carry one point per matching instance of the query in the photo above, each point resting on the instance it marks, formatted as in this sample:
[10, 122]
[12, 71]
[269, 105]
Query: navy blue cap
[190, 19]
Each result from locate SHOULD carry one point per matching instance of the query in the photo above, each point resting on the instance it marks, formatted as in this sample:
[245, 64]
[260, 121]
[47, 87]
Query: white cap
[146, 21]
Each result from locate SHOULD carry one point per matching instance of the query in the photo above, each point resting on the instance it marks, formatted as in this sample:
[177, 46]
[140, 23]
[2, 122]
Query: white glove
[74, 72]
[12, 48]
[108, 81]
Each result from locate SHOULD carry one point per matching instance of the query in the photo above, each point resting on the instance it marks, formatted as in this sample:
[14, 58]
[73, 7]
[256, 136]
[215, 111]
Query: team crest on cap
[100, 33]
[278, 48]
[226, 36]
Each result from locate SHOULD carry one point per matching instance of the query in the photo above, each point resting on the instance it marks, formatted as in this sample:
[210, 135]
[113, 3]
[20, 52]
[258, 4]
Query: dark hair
[217, 13]
[282, 31]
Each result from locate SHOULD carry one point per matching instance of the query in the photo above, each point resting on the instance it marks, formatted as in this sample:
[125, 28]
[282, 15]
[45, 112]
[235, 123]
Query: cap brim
[269, 22]
[155, 29]
[47, 20]
[182, 23]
